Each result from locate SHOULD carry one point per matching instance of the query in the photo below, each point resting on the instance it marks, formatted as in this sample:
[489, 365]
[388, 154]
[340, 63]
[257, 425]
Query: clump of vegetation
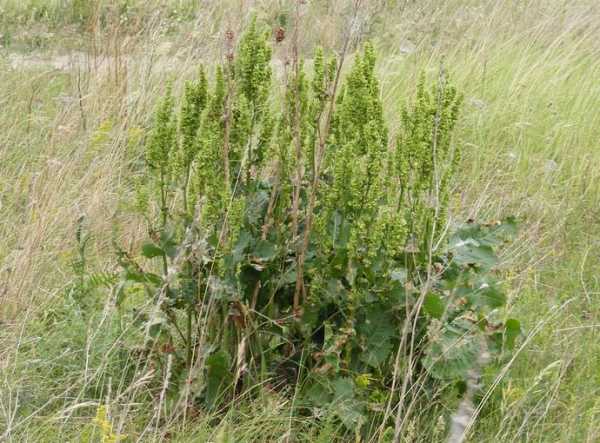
[88, 13]
[80, 86]
[301, 249]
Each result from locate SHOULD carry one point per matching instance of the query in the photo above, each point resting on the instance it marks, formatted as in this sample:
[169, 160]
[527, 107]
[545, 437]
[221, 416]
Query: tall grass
[531, 136]
[530, 73]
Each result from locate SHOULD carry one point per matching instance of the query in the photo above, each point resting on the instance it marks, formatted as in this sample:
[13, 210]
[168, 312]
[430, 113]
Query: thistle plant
[308, 240]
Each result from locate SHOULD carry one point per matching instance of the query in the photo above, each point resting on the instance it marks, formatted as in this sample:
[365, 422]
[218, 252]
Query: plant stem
[189, 336]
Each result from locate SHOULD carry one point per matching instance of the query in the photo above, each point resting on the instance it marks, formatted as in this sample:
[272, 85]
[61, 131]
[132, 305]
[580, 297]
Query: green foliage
[84, 291]
[253, 69]
[468, 298]
[90, 15]
[425, 159]
[194, 101]
[298, 247]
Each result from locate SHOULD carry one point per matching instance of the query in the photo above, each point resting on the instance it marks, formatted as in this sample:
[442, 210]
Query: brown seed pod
[279, 34]
[167, 348]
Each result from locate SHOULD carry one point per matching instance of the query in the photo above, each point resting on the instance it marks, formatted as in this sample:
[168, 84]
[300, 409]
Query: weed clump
[304, 249]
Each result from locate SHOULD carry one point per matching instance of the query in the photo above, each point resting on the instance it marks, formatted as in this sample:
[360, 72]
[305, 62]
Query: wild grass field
[79, 85]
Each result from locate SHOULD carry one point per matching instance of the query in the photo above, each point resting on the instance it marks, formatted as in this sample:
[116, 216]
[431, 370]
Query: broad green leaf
[168, 242]
[433, 305]
[376, 354]
[506, 229]
[256, 206]
[265, 250]
[240, 247]
[340, 231]
[343, 388]
[348, 409]
[398, 296]
[334, 290]
[317, 392]
[399, 275]
[377, 331]
[155, 325]
[142, 277]
[471, 252]
[288, 277]
[474, 244]
[488, 235]
[151, 250]
[310, 317]
[453, 353]
[351, 413]
[492, 297]
[512, 329]
[486, 294]
[218, 376]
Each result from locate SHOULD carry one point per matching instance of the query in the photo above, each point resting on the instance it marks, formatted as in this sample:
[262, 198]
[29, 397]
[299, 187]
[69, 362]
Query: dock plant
[296, 244]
